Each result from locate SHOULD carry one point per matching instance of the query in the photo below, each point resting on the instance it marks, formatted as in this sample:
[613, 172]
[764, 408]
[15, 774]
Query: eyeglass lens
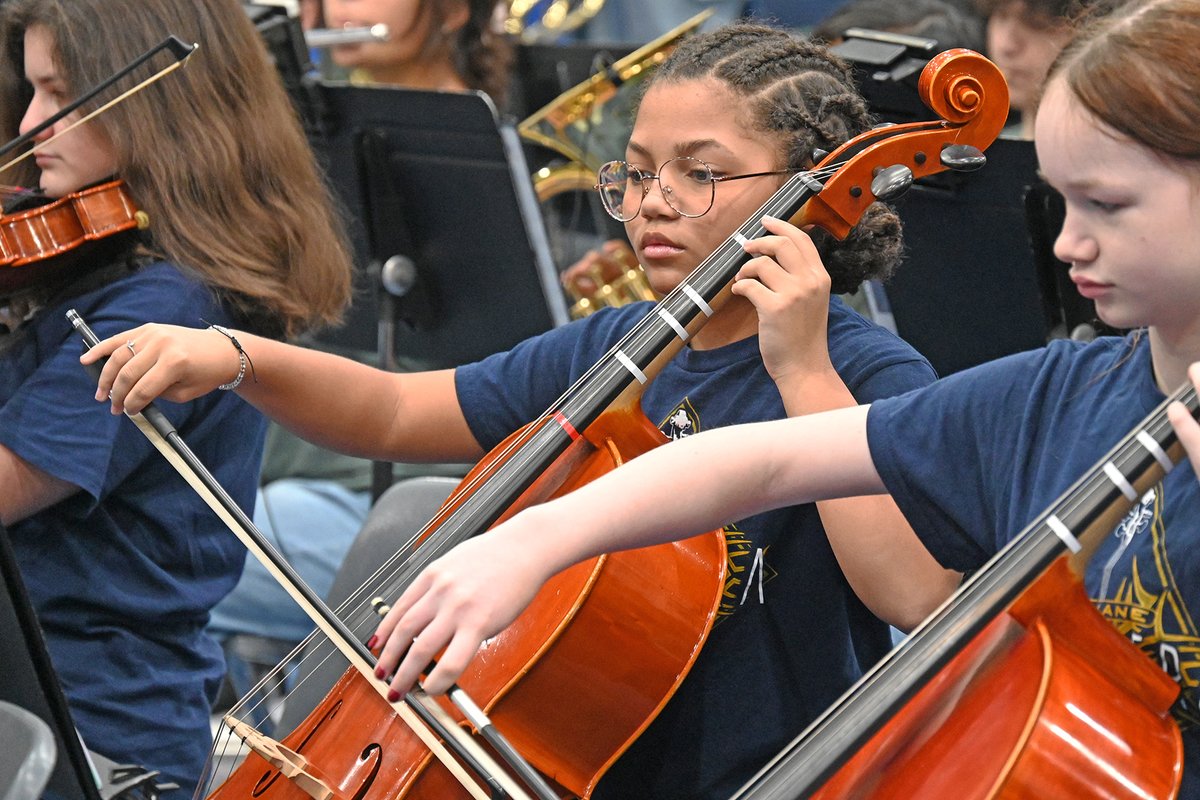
[686, 184]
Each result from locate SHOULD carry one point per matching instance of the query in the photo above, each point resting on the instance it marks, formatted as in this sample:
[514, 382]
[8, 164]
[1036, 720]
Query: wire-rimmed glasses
[687, 184]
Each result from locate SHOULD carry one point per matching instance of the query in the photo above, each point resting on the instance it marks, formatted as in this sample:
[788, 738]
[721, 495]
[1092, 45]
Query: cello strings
[419, 550]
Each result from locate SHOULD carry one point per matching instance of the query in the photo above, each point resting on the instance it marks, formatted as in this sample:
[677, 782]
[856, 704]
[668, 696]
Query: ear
[456, 15]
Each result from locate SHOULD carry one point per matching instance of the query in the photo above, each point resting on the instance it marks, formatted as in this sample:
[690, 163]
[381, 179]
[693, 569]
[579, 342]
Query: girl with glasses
[743, 99]
[977, 456]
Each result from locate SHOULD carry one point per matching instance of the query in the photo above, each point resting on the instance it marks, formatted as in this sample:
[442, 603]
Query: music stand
[887, 68]
[31, 683]
[545, 71]
[967, 291]
[443, 213]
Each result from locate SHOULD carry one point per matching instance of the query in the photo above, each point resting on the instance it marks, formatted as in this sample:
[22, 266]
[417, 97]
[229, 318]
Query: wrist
[542, 532]
[243, 360]
[809, 391]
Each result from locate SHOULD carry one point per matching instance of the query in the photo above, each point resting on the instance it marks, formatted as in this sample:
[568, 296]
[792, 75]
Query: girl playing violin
[121, 560]
[975, 457]
[723, 123]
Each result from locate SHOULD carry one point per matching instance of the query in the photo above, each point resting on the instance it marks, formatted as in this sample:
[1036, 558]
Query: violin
[40, 243]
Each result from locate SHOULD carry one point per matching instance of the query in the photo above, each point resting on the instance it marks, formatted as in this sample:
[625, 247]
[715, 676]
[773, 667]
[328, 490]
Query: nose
[1074, 245]
[655, 203]
[1004, 37]
[35, 114]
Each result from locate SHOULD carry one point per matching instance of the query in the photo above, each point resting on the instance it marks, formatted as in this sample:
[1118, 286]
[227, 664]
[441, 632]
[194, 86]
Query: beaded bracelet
[243, 359]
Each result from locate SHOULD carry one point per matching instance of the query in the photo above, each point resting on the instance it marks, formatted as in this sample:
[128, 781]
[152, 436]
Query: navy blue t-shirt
[973, 459]
[122, 573]
[791, 635]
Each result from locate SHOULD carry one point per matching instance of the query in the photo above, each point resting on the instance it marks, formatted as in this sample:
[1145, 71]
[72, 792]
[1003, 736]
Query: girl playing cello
[726, 118]
[121, 561]
[975, 457]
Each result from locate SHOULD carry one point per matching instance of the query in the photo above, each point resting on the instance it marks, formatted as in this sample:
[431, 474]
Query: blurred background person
[1023, 39]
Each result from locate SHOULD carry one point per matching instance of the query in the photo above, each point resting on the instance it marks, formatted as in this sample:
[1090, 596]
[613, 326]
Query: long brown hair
[213, 153]
[1135, 69]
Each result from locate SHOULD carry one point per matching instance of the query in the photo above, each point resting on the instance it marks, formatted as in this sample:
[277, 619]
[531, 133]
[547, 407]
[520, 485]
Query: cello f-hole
[376, 750]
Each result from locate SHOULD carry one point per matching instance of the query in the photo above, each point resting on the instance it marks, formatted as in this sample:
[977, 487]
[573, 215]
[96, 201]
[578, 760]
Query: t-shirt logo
[681, 423]
[1143, 601]
[746, 569]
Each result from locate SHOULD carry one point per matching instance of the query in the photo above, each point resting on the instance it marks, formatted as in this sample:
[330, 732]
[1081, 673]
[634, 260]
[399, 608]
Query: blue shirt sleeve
[50, 418]
[507, 390]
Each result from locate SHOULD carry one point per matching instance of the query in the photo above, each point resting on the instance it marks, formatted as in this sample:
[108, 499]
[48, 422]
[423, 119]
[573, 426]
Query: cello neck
[1071, 529]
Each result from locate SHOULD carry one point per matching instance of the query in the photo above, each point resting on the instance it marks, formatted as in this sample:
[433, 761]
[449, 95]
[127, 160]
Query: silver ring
[129, 344]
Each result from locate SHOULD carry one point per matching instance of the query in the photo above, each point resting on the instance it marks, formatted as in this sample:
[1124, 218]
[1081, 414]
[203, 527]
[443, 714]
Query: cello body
[1016, 686]
[1024, 711]
[569, 688]
[587, 667]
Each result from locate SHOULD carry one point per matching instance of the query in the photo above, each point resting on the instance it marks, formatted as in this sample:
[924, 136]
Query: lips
[1089, 288]
[656, 246]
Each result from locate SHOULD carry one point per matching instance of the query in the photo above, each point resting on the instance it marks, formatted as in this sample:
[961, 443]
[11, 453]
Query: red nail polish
[379, 673]
[393, 695]
[374, 640]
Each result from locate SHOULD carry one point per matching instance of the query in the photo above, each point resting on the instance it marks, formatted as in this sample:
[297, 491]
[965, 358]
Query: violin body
[1024, 711]
[569, 688]
[42, 242]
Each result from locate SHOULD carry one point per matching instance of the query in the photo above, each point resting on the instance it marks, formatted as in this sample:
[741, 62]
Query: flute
[331, 37]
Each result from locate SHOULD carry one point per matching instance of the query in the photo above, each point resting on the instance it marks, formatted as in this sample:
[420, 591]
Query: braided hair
[802, 95]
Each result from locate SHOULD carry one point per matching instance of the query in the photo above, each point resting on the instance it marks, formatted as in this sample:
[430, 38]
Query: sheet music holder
[31, 683]
[967, 291]
[440, 199]
[545, 71]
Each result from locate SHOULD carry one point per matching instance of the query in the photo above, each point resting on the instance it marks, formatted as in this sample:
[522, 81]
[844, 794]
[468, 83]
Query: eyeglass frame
[656, 176]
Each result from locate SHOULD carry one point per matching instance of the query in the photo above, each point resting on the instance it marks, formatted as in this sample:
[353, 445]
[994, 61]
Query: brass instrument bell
[589, 125]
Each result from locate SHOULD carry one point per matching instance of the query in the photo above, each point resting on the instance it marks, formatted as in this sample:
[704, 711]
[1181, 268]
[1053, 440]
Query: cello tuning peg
[891, 182]
[962, 157]
[818, 155]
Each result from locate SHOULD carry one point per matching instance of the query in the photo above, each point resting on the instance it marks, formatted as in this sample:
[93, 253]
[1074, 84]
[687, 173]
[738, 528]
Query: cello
[594, 426]
[1016, 686]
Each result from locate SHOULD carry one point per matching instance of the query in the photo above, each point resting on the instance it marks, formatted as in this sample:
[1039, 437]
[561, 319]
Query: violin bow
[178, 49]
[418, 710]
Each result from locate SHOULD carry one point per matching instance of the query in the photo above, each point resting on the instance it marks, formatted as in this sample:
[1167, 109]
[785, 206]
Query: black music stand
[30, 682]
[545, 71]
[968, 290]
[455, 260]
[887, 68]
[452, 249]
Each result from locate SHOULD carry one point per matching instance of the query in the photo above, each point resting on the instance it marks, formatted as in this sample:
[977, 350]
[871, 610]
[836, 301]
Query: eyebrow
[683, 148]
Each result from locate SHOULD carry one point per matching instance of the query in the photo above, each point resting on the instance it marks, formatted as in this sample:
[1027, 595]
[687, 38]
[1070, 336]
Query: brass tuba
[589, 125]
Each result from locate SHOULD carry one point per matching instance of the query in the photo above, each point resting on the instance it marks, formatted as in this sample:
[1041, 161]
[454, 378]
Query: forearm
[27, 489]
[886, 564]
[356, 409]
[332, 401]
[730, 473]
